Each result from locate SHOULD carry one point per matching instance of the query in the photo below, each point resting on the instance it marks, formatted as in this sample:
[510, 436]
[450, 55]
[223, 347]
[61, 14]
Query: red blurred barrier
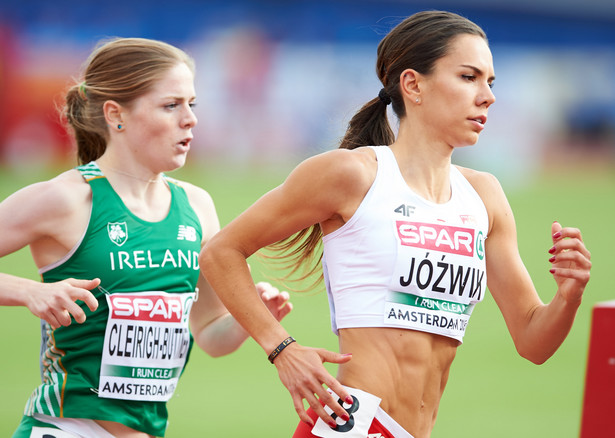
[598, 419]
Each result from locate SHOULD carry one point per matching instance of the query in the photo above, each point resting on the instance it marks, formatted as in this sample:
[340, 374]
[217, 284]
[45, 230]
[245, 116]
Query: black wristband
[285, 343]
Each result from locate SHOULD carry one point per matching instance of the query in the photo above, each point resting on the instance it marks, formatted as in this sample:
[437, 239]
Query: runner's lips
[186, 141]
[480, 119]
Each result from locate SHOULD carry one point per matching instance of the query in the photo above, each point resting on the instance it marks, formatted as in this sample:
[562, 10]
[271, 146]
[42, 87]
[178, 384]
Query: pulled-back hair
[416, 43]
[120, 69]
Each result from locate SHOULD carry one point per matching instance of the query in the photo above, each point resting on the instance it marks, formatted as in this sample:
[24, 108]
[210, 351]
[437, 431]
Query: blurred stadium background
[278, 81]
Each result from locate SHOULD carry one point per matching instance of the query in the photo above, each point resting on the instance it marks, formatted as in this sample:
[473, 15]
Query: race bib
[50, 432]
[361, 412]
[147, 340]
[438, 277]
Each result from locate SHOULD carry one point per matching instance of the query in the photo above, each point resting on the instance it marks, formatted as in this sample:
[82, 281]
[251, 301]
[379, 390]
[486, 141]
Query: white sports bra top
[402, 261]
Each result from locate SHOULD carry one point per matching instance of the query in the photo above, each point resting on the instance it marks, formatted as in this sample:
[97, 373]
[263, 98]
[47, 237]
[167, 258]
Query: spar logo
[145, 307]
[454, 240]
[118, 232]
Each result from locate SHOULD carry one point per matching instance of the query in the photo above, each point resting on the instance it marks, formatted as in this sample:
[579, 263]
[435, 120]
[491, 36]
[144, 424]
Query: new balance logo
[186, 232]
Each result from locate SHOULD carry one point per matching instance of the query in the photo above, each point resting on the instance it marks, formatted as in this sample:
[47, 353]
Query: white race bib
[50, 432]
[361, 412]
[438, 278]
[146, 344]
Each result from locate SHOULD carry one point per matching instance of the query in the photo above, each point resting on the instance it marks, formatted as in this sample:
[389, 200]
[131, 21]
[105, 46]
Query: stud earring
[417, 100]
[119, 126]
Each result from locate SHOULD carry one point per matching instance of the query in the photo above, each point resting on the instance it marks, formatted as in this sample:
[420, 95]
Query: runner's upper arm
[320, 188]
[39, 211]
[507, 277]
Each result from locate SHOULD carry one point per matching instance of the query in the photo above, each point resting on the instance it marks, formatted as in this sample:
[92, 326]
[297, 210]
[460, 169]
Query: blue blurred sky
[278, 79]
[515, 21]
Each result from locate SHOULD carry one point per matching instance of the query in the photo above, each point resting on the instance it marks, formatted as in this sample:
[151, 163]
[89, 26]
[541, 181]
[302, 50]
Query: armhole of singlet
[72, 251]
[370, 193]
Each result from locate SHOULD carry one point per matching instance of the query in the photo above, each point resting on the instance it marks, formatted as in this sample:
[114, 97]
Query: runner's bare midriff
[407, 369]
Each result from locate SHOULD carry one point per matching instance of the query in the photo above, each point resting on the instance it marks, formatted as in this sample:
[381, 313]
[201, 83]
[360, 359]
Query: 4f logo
[405, 209]
[118, 232]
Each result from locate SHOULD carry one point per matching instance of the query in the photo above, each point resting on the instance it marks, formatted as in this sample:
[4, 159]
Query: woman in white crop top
[410, 243]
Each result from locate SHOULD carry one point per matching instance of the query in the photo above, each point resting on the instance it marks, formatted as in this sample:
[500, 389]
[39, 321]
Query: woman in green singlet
[116, 242]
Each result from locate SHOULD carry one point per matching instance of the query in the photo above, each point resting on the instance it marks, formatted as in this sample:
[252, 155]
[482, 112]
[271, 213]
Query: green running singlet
[123, 363]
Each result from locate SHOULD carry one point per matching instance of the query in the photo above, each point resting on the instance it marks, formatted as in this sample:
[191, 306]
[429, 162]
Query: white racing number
[361, 412]
[354, 407]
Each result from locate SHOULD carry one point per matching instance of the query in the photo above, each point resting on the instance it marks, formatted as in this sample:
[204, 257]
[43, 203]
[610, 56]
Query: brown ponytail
[90, 143]
[369, 126]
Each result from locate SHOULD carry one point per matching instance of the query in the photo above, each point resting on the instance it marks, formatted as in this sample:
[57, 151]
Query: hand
[570, 262]
[276, 301]
[56, 302]
[302, 372]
